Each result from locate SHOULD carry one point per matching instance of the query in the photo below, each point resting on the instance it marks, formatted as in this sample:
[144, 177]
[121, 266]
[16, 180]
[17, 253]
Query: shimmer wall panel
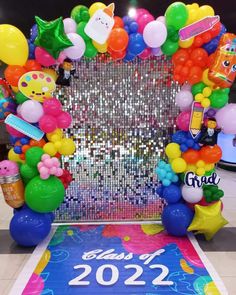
[123, 116]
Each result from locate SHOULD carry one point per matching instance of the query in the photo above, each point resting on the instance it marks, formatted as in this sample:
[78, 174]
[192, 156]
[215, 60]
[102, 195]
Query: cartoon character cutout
[37, 85]
[209, 133]
[100, 25]
[223, 70]
[65, 72]
[8, 168]
[196, 119]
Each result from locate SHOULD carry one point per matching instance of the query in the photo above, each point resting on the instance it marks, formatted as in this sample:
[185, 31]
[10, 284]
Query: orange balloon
[25, 148]
[116, 55]
[22, 156]
[32, 65]
[195, 75]
[118, 22]
[13, 74]
[191, 156]
[211, 154]
[118, 39]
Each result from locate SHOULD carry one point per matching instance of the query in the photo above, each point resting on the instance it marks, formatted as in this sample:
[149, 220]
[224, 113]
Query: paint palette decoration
[101, 23]
[37, 85]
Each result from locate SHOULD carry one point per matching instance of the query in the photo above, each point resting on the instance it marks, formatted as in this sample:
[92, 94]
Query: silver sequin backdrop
[123, 116]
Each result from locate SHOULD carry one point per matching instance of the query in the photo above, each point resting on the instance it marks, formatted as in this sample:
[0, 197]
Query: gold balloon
[96, 6]
[102, 48]
[186, 43]
[14, 49]
[206, 80]
[208, 220]
[205, 10]
[67, 147]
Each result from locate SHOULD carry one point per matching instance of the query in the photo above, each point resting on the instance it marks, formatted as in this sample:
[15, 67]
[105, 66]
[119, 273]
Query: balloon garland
[204, 63]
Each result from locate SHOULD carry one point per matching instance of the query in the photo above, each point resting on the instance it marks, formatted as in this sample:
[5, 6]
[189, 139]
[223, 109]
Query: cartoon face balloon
[8, 168]
[100, 25]
[37, 85]
[223, 70]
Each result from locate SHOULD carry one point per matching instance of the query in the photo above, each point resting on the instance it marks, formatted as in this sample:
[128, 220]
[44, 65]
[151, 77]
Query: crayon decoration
[198, 27]
[37, 85]
[100, 24]
[196, 119]
[223, 70]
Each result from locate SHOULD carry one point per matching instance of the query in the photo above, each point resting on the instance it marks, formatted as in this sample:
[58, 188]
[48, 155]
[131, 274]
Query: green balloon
[219, 98]
[80, 13]
[172, 34]
[169, 47]
[28, 172]
[80, 31]
[198, 88]
[44, 196]
[176, 15]
[90, 51]
[20, 98]
[33, 156]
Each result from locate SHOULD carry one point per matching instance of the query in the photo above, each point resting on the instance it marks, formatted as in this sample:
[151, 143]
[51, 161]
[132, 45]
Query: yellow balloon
[56, 135]
[43, 262]
[14, 48]
[12, 156]
[200, 171]
[179, 165]
[67, 147]
[15, 89]
[200, 164]
[50, 149]
[192, 15]
[173, 150]
[186, 43]
[211, 289]
[96, 6]
[209, 167]
[102, 48]
[51, 73]
[191, 167]
[206, 80]
[205, 10]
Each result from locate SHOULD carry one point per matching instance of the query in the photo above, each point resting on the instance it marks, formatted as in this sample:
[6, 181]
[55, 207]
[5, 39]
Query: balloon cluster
[165, 173]
[49, 166]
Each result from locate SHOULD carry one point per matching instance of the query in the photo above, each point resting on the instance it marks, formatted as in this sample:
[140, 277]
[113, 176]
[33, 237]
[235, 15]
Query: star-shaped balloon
[208, 220]
[51, 36]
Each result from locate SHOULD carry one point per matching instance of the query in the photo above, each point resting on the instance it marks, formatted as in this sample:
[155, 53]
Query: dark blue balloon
[172, 194]
[211, 46]
[176, 218]
[31, 50]
[29, 228]
[159, 191]
[24, 140]
[183, 148]
[127, 29]
[136, 44]
[133, 27]
[129, 57]
[13, 139]
[17, 149]
[127, 20]
[33, 33]
[179, 137]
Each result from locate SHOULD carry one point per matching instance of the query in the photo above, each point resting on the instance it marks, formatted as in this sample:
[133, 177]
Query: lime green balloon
[90, 51]
[28, 172]
[20, 98]
[169, 47]
[33, 156]
[80, 13]
[80, 31]
[198, 88]
[176, 15]
[219, 98]
[44, 195]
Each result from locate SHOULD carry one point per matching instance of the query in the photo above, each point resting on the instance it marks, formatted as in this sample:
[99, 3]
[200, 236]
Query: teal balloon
[176, 15]
[169, 47]
[20, 98]
[33, 156]
[90, 51]
[44, 195]
[219, 98]
[80, 31]
[80, 13]
[28, 172]
[198, 88]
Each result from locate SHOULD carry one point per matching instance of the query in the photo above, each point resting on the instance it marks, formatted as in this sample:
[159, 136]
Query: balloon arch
[204, 63]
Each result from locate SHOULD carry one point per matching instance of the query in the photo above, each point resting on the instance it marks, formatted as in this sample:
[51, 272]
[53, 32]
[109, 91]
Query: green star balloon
[51, 36]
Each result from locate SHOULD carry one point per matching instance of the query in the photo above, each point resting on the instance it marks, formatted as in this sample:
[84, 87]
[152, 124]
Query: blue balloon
[31, 50]
[29, 228]
[136, 44]
[127, 20]
[133, 27]
[176, 218]
[179, 137]
[17, 149]
[13, 139]
[24, 140]
[33, 33]
[211, 46]
[159, 191]
[172, 194]
[129, 57]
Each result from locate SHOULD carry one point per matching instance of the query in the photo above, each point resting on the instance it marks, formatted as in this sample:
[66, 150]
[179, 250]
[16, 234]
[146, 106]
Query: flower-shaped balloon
[49, 166]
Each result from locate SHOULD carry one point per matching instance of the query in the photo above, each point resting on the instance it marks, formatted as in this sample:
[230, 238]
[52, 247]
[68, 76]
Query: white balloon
[31, 111]
[77, 50]
[192, 194]
[184, 99]
[155, 34]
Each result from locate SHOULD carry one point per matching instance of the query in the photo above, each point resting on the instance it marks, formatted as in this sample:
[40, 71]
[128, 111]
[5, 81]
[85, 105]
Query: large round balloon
[44, 195]
[176, 15]
[29, 228]
[226, 118]
[176, 218]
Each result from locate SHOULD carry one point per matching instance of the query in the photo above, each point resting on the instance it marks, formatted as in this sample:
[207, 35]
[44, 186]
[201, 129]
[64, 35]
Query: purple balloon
[75, 52]
[157, 51]
[211, 113]
[226, 118]
[184, 100]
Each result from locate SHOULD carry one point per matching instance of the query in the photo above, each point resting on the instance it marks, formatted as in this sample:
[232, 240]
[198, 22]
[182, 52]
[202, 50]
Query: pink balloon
[69, 25]
[52, 106]
[146, 53]
[75, 52]
[12, 131]
[43, 57]
[187, 87]
[155, 34]
[64, 120]
[184, 99]
[31, 111]
[226, 118]
[143, 21]
[140, 12]
[61, 58]
[157, 51]
[48, 124]
[183, 120]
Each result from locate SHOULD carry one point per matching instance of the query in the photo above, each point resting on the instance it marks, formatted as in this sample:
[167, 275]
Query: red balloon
[118, 22]
[199, 57]
[195, 75]
[191, 156]
[180, 57]
[211, 154]
[116, 55]
[118, 39]
[32, 65]
[13, 74]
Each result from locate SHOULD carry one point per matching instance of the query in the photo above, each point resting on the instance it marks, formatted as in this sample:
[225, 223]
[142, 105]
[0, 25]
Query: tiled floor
[218, 252]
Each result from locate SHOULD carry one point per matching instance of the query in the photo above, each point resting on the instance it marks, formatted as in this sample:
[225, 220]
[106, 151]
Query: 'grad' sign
[191, 179]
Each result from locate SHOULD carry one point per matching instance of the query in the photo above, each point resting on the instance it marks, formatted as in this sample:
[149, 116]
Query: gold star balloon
[51, 36]
[208, 220]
